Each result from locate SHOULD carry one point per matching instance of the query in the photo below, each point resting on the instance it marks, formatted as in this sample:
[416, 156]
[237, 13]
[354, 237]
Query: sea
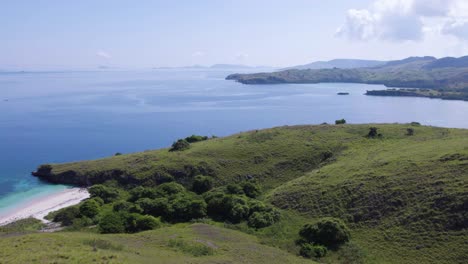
[55, 117]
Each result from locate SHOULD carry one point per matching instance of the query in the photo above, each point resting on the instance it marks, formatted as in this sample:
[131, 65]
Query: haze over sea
[53, 117]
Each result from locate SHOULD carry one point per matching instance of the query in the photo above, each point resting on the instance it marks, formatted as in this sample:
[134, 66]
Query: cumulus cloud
[401, 20]
[103, 54]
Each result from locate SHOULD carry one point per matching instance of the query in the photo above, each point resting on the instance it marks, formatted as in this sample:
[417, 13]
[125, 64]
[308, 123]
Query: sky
[86, 34]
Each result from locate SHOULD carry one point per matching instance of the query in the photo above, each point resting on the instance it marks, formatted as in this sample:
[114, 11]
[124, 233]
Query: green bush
[66, 215]
[107, 194]
[147, 222]
[169, 189]
[195, 138]
[89, 208]
[198, 209]
[202, 184]
[263, 219]
[330, 232]
[180, 145]
[251, 189]
[313, 251]
[142, 192]
[340, 122]
[124, 206]
[156, 207]
[112, 222]
[234, 189]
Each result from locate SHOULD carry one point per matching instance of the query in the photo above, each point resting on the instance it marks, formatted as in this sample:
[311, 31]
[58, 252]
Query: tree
[330, 232]
[251, 189]
[409, 131]
[340, 122]
[180, 145]
[90, 208]
[67, 215]
[112, 222]
[202, 184]
[313, 251]
[372, 132]
[195, 138]
[107, 194]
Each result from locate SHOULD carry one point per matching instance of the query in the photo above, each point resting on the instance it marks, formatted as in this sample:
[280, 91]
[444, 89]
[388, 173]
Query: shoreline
[39, 208]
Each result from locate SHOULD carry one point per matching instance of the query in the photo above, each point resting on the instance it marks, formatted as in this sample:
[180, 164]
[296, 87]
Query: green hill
[402, 190]
[445, 78]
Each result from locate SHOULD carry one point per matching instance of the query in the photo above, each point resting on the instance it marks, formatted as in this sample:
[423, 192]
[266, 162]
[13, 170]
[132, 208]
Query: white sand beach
[39, 208]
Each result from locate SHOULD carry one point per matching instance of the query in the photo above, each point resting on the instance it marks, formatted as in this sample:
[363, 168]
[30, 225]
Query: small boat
[342, 93]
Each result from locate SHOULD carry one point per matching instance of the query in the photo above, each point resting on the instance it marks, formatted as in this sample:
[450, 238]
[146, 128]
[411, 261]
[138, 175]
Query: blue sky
[57, 34]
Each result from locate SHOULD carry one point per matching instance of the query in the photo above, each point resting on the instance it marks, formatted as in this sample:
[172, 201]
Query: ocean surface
[51, 117]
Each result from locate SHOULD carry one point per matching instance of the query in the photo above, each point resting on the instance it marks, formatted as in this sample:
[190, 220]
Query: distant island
[342, 93]
[445, 78]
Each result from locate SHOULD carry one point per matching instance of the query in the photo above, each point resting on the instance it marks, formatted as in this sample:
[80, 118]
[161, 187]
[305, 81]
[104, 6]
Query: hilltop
[402, 191]
[445, 78]
[338, 63]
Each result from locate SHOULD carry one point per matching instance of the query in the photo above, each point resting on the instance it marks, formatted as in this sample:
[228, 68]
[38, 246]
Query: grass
[404, 197]
[195, 243]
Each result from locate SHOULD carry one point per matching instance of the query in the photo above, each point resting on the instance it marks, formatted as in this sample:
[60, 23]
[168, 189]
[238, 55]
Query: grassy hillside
[403, 193]
[194, 243]
[446, 78]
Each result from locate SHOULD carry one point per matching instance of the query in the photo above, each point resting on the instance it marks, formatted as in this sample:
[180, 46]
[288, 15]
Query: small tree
[180, 145]
[313, 251]
[330, 232]
[409, 131]
[202, 184]
[89, 208]
[112, 222]
[340, 122]
[251, 189]
[372, 132]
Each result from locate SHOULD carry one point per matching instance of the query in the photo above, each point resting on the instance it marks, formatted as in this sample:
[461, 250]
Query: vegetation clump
[329, 232]
[340, 122]
[180, 145]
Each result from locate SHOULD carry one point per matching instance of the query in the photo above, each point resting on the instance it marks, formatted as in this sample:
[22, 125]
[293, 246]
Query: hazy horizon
[120, 34]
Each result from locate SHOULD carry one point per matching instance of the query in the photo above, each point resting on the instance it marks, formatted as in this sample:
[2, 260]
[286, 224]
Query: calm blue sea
[69, 116]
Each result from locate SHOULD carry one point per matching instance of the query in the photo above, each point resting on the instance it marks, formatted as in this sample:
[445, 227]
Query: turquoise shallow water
[69, 116]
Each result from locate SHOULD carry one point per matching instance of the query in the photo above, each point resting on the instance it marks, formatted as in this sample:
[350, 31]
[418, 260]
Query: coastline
[39, 208]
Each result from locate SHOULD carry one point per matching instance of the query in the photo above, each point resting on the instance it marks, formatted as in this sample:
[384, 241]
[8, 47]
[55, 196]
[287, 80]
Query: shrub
[261, 219]
[198, 209]
[107, 194]
[90, 208]
[330, 232]
[170, 188]
[409, 131]
[66, 215]
[250, 189]
[112, 222]
[147, 222]
[142, 192]
[340, 122]
[238, 212]
[202, 184]
[124, 206]
[234, 189]
[156, 207]
[180, 145]
[313, 251]
[81, 222]
[195, 138]
[118, 154]
[372, 132]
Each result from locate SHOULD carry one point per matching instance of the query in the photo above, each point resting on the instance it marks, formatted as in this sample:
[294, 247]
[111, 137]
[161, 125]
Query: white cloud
[103, 54]
[406, 20]
[241, 56]
[198, 54]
